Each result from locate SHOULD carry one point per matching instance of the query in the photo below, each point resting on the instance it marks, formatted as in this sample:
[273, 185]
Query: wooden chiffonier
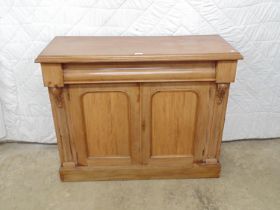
[138, 107]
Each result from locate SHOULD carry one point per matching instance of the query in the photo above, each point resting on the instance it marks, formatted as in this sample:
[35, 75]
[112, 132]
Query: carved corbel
[58, 97]
[221, 92]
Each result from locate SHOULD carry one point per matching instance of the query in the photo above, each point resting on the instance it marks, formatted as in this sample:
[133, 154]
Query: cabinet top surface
[87, 49]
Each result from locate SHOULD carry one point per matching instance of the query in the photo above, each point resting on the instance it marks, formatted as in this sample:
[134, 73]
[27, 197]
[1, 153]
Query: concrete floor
[250, 180]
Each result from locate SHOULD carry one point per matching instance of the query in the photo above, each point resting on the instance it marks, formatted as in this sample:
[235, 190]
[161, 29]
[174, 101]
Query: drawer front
[138, 72]
[175, 119]
[104, 124]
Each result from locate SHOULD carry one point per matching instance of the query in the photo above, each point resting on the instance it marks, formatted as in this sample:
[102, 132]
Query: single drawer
[151, 72]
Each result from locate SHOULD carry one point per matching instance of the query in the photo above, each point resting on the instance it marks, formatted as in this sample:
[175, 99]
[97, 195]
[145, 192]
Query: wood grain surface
[141, 48]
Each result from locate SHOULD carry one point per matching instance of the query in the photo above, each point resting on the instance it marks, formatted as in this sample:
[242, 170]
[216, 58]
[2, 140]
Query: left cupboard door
[105, 123]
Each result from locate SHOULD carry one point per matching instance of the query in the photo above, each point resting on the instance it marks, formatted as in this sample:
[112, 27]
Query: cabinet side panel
[106, 117]
[173, 123]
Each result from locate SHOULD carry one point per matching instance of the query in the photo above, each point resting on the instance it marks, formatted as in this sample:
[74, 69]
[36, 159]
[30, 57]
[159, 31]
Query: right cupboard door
[175, 122]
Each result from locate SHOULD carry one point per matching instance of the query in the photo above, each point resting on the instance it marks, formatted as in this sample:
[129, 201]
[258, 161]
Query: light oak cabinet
[138, 107]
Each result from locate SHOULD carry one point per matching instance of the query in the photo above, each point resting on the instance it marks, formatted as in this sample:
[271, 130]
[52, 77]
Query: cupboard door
[105, 123]
[175, 121]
